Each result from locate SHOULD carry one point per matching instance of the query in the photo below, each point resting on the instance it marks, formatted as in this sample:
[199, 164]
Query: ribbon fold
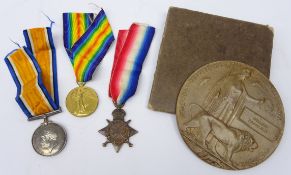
[34, 72]
[130, 52]
[87, 38]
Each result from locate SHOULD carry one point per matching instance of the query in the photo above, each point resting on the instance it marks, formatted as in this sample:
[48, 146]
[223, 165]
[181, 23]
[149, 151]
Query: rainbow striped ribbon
[87, 38]
[131, 49]
[34, 71]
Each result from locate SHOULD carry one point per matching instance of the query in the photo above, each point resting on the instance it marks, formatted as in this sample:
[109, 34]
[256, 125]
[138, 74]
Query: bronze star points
[118, 131]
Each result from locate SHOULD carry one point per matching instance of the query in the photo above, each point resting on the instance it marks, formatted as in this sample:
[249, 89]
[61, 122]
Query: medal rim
[61, 148]
[272, 87]
[86, 115]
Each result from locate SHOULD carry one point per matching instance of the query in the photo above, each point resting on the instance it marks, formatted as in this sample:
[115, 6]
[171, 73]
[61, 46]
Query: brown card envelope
[192, 39]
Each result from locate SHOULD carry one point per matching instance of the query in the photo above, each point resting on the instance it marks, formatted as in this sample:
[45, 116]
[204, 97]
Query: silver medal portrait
[49, 139]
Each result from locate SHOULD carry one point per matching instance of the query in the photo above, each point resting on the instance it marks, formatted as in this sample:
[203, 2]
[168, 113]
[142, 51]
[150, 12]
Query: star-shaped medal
[118, 131]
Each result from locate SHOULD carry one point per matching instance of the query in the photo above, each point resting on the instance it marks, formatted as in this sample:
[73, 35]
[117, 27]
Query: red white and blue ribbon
[131, 49]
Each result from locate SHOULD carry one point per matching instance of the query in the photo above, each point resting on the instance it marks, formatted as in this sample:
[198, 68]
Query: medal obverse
[34, 71]
[230, 115]
[82, 101]
[86, 49]
[118, 131]
[130, 52]
[49, 139]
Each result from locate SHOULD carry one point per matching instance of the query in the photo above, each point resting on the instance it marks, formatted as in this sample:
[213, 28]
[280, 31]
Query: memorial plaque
[230, 115]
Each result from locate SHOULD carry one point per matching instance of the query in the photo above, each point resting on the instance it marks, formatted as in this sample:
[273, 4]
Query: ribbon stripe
[87, 39]
[131, 49]
[33, 69]
[40, 44]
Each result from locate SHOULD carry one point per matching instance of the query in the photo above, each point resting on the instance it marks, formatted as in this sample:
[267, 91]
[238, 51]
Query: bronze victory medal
[230, 115]
[82, 101]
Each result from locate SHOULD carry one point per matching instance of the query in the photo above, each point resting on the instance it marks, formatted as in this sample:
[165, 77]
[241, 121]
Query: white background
[158, 147]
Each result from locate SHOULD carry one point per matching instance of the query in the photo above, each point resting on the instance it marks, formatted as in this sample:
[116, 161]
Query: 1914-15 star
[118, 131]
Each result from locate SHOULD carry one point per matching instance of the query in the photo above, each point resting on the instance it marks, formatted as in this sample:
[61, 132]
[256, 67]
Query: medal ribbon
[131, 49]
[87, 38]
[34, 72]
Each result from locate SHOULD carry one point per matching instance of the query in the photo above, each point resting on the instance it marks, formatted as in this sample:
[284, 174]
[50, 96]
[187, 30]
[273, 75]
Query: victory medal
[34, 71]
[131, 49]
[82, 101]
[87, 38]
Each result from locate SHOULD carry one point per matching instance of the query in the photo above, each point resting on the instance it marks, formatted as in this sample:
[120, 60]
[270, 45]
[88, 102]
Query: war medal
[131, 49]
[230, 115]
[118, 131]
[87, 37]
[34, 71]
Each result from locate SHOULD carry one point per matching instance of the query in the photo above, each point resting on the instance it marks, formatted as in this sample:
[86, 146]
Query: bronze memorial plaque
[230, 115]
